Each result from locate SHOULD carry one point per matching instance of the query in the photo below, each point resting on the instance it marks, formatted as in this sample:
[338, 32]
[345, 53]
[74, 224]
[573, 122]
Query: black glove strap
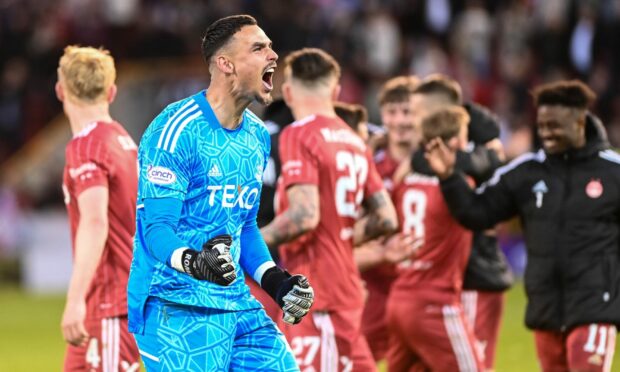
[272, 281]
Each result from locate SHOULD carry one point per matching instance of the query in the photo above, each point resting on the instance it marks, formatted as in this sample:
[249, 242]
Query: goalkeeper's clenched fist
[214, 263]
[292, 293]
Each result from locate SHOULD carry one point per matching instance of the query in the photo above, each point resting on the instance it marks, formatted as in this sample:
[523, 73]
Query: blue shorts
[186, 338]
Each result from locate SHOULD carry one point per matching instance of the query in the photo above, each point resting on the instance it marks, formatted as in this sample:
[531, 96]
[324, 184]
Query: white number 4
[357, 171]
[92, 353]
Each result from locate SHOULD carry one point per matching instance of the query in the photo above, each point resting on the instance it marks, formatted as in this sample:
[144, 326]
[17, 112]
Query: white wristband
[176, 260]
[258, 274]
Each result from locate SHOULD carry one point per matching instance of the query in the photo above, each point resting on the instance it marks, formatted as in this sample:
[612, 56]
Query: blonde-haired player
[99, 184]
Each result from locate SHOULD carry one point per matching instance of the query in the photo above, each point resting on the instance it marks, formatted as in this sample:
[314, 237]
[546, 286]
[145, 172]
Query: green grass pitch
[30, 338]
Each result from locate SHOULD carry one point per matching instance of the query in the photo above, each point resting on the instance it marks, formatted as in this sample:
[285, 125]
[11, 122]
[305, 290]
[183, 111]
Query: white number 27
[356, 167]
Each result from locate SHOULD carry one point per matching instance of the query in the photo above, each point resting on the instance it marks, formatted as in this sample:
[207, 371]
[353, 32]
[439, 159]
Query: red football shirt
[103, 154]
[440, 262]
[386, 166]
[325, 152]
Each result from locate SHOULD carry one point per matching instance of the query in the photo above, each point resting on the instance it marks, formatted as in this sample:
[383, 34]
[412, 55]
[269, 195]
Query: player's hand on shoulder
[214, 263]
[292, 293]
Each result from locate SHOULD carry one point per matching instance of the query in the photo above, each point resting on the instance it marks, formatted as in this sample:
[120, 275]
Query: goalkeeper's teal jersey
[217, 174]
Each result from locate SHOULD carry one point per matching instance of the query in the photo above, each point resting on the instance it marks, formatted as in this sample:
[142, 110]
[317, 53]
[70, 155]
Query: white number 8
[357, 171]
[414, 212]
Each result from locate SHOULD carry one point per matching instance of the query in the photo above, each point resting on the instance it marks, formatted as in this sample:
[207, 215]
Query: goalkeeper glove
[214, 263]
[292, 293]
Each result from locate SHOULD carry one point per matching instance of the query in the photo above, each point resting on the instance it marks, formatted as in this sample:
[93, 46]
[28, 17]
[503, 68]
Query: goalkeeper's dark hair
[221, 31]
[352, 114]
[443, 86]
[312, 66]
[569, 93]
[445, 123]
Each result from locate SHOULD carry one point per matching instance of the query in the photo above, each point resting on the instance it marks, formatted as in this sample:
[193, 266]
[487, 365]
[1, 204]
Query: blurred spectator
[9, 223]
[12, 87]
[582, 39]
[497, 50]
[472, 37]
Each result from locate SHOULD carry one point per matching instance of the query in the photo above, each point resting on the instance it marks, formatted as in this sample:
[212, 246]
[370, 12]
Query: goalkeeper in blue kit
[200, 175]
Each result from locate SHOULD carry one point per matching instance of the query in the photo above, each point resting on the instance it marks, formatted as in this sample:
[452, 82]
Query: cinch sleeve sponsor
[164, 174]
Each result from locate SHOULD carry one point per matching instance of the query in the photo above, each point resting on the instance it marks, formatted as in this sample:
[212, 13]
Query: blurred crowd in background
[497, 50]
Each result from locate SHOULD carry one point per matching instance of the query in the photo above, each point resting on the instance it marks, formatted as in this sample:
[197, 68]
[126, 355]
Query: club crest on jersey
[594, 188]
[596, 360]
[160, 175]
[540, 189]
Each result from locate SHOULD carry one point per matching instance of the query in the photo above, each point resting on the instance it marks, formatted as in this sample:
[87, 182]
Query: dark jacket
[277, 116]
[487, 267]
[569, 206]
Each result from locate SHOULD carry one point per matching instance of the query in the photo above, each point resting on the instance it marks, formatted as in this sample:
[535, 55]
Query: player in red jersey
[402, 135]
[487, 274]
[327, 174]
[428, 329]
[99, 184]
[356, 117]
[376, 259]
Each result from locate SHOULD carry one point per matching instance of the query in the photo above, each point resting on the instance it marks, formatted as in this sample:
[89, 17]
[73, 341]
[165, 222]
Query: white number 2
[414, 212]
[92, 353]
[357, 171]
[309, 344]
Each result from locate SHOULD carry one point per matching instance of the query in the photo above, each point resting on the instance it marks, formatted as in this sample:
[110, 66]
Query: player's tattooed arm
[301, 216]
[380, 220]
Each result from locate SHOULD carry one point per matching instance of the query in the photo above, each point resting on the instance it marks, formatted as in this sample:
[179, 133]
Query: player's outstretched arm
[395, 249]
[90, 238]
[380, 220]
[476, 211]
[369, 255]
[302, 216]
